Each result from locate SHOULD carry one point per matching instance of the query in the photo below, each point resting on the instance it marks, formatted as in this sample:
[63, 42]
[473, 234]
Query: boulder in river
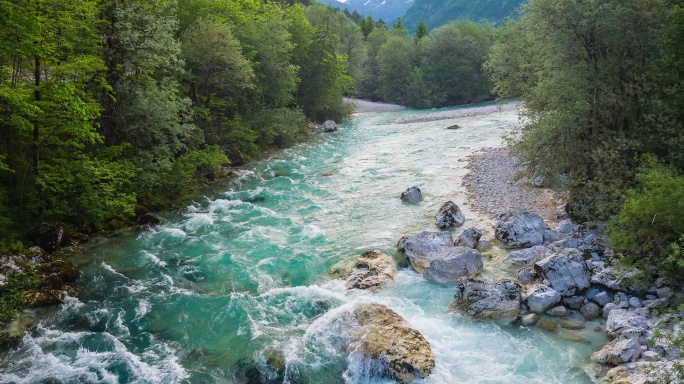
[452, 263]
[449, 215]
[566, 271]
[421, 249]
[412, 195]
[434, 255]
[483, 299]
[401, 352]
[329, 126]
[372, 270]
[470, 238]
[519, 229]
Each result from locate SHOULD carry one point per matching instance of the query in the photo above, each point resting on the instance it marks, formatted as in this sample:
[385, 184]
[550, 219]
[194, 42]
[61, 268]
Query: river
[242, 285]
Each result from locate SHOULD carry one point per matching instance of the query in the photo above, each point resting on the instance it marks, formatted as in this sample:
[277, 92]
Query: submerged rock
[372, 271]
[387, 339]
[449, 215]
[566, 271]
[519, 229]
[412, 195]
[483, 299]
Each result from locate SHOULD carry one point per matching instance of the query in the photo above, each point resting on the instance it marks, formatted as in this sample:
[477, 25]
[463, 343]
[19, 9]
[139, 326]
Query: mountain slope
[387, 10]
[436, 13]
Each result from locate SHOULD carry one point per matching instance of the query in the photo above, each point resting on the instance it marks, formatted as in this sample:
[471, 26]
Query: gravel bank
[495, 186]
[458, 113]
[364, 106]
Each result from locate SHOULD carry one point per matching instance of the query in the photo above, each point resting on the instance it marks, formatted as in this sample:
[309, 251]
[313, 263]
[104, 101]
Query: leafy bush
[11, 297]
[185, 177]
[650, 224]
[279, 127]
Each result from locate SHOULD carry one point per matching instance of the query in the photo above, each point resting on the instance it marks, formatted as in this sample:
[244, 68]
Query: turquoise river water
[239, 286]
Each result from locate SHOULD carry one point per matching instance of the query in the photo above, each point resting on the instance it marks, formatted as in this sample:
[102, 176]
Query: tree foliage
[597, 80]
[104, 104]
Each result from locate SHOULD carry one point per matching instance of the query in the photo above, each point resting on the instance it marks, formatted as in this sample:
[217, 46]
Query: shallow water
[237, 287]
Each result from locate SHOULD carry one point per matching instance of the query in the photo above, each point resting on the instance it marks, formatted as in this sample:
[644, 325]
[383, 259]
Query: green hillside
[436, 13]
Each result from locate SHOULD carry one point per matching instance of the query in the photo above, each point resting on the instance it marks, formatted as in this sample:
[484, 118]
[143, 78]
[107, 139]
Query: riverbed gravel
[459, 113]
[497, 184]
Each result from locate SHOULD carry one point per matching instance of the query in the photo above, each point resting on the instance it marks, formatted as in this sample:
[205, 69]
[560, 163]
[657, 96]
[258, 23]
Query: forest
[109, 108]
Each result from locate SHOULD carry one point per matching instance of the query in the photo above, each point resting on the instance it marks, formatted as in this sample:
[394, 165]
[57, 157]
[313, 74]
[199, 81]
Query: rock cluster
[435, 256]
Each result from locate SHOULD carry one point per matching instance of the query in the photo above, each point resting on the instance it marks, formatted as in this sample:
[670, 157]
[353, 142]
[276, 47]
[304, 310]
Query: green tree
[421, 32]
[452, 63]
[367, 26]
[596, 91]
[396, 59]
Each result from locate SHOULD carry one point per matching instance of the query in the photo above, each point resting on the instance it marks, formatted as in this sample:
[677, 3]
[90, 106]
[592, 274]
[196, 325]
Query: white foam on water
[142, 309]
[311, 232]
[155, 260]
[109, 268]
[46, 356]
[197, 221]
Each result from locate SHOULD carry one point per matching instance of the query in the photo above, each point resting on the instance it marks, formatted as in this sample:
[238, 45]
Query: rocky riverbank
[497, 183]
[458, 113]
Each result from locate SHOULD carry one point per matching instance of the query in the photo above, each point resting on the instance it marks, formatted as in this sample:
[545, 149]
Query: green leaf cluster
[11, 297]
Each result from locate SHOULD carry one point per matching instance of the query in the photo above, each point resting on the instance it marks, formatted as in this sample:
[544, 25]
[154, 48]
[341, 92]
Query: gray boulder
[449, 215]
[590, 311]
[483, 299]
[541, 298]
[372, 270]
[558, 311]
[469, 238]
[453, 263]
[621, 320]
[424, 247]
[527, 256]
[329, 126]
[387, 340]
[566, 271]
[551, 236]
[434, 255]
[412, 195]
[519, 229]
[526, 276]
[574, 302]
[617, 352]
[565, 227]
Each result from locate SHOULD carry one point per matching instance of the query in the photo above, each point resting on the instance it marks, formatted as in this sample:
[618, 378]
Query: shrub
[649, 227]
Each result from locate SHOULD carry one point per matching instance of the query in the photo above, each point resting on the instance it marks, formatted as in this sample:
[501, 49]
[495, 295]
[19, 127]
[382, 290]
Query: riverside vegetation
[108, 106]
